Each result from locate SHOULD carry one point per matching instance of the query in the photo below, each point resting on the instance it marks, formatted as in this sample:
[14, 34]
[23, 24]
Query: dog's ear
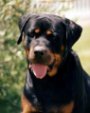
[73, 32]
[22, 23]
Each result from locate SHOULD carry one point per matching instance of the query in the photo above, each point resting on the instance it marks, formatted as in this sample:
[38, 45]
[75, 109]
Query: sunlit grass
[82, 47]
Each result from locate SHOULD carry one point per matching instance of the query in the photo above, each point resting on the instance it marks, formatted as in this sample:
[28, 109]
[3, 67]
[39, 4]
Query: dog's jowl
[55, 80]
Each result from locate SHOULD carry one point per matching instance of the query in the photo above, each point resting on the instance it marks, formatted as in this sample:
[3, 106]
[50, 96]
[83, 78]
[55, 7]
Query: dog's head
[46, 39]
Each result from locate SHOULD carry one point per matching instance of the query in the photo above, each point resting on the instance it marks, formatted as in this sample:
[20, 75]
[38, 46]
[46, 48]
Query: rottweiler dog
[55, 80]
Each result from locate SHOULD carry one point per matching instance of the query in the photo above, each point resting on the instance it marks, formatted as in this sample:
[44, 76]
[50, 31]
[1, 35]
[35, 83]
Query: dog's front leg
[26, 106]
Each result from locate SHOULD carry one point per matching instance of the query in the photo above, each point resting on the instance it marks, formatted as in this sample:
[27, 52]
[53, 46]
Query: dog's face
[46, 39]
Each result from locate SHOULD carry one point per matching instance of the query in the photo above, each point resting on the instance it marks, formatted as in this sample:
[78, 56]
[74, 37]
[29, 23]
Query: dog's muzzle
[39, 52]
[40, 58]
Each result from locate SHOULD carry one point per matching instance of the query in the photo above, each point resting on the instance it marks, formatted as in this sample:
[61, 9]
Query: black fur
[71, 83]
[73, 31]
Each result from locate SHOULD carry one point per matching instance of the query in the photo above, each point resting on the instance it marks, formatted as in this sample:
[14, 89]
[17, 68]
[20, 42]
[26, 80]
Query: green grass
[82, 47]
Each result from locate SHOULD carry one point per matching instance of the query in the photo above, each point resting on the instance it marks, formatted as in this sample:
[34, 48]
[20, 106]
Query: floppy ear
[22, 23]
[73, 32]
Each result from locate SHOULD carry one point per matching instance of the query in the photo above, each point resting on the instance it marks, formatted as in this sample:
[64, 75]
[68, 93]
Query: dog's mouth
[43, 61]
[39, 70]
[40, 64]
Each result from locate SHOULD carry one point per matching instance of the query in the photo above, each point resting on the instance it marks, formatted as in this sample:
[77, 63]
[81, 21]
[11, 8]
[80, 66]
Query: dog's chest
[53, 95]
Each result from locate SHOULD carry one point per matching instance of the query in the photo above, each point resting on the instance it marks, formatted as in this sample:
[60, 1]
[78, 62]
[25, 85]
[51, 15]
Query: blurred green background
[12, 61]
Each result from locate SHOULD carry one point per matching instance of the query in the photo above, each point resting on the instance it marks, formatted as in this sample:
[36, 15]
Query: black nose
[39, 54]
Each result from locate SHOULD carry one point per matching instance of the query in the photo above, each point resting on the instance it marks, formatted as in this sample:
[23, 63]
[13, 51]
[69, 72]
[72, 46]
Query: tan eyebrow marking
[37, 30]
[49, 32]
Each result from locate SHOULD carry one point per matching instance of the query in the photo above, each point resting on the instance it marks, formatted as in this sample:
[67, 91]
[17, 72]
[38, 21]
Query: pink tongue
[39, 70]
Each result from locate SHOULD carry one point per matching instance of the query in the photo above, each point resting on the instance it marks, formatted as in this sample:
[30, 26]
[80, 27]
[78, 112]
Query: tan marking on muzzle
[31, 54]
[58, 60]
[27, 52]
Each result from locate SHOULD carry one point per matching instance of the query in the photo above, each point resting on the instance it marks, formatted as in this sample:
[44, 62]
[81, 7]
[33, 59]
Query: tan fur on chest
[27, 107]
